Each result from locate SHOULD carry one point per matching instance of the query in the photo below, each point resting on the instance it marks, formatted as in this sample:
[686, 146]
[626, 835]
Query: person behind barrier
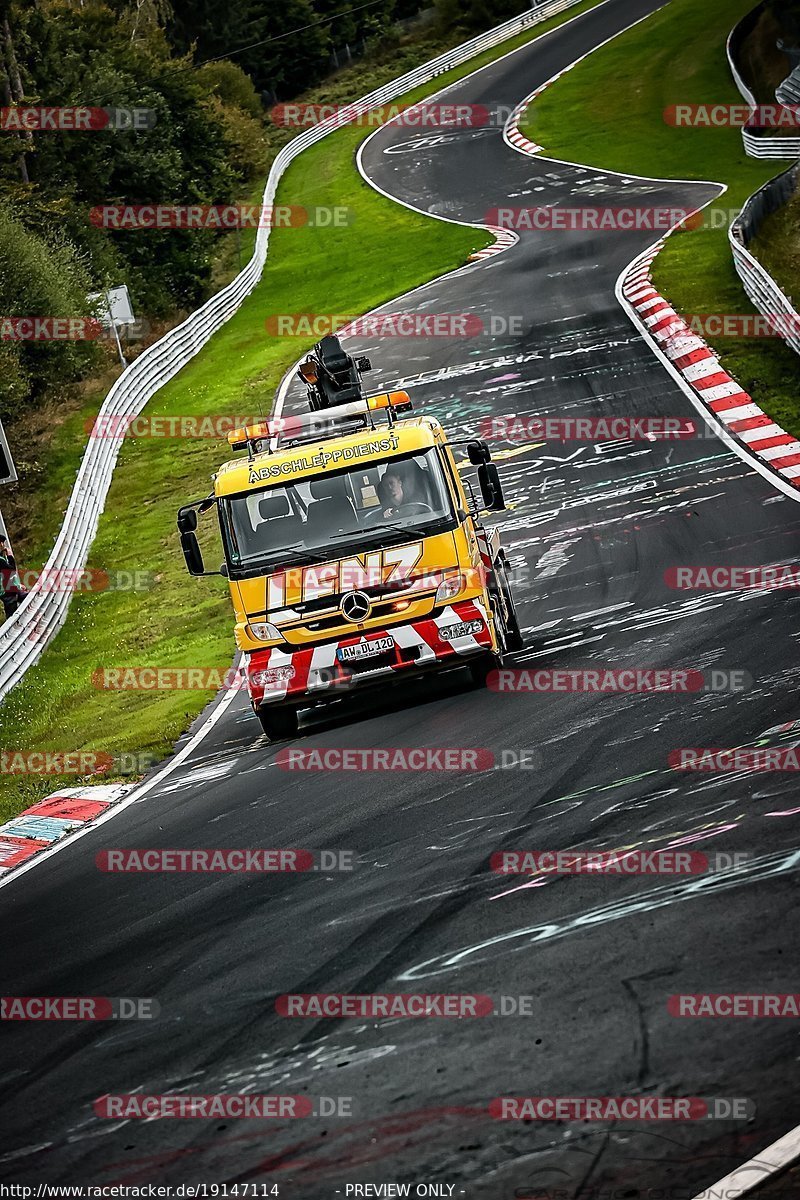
[12, 592]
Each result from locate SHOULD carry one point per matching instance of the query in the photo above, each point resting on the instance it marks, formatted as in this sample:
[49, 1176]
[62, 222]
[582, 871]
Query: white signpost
[8, 472]
[115, 310]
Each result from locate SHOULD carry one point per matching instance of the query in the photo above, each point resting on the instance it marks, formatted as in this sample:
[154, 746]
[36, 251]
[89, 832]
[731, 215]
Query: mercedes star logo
[356, 606]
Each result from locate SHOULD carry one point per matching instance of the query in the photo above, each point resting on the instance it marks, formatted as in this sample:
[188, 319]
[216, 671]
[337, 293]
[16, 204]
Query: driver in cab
[392, 492]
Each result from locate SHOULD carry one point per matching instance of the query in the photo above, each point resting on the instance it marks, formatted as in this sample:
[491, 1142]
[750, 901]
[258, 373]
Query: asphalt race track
[597, 526]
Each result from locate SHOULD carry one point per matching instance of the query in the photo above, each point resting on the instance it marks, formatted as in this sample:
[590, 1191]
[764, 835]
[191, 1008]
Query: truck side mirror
[192, 553]
[187, 523]
[187, 520]
[491, 487]
[478, 452]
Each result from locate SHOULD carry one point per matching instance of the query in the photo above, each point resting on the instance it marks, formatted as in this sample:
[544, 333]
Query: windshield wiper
[278, 559]
[319, 554]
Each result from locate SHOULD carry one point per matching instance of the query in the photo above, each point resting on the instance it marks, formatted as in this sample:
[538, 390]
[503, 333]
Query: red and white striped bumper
[275, 675]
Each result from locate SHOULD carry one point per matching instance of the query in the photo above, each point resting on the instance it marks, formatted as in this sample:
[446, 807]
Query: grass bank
[383, 251]
[777, 247]
[676, 56]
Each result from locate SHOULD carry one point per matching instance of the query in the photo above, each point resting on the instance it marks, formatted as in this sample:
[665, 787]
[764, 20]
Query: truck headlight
[450, 587]
[264, 632]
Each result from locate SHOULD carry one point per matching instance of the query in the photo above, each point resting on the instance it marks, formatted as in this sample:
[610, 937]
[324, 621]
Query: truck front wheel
[512, 638]
[279, 722]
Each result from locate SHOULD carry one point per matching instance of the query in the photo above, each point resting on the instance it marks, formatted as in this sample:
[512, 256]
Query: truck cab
[355, 555]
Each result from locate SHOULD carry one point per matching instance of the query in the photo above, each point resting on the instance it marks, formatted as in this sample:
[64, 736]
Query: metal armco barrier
[756, 145]
[25, 635]
[759, 285]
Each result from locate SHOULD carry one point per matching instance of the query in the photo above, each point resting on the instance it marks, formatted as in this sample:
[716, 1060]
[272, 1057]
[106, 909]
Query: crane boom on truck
[355, 554]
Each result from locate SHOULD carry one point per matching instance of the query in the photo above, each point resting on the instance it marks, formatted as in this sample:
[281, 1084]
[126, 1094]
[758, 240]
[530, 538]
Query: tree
[39, 277]
[206, 140]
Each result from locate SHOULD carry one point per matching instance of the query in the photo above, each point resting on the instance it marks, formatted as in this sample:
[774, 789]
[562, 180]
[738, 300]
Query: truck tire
[278, 722]
[512, 633]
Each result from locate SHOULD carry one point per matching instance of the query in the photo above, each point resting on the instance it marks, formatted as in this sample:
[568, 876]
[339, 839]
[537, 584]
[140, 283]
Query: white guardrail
[759, 285]
[757, 145]
[26, 634]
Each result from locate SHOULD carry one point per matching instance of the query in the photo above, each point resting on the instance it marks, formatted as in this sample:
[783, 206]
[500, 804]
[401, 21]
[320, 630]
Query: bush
[43, 277]
[229, 83]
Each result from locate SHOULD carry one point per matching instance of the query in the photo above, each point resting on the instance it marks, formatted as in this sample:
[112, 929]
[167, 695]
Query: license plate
[361, 650]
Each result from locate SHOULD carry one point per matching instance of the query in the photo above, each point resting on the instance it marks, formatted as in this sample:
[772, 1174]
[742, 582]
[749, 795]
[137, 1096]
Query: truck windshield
[327, 516]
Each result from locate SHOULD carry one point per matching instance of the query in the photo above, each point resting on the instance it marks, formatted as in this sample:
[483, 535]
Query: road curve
[597, 527]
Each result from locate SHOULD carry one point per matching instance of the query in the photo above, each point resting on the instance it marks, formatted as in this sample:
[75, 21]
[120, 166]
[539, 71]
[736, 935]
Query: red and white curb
[58, 821]
[49, 820]
[741, 423]
[511, 132]
[503, 239]
[778, 450]
[512, 135]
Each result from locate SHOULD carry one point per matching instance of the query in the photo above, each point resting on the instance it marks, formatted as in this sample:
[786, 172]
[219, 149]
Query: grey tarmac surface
[597, 526]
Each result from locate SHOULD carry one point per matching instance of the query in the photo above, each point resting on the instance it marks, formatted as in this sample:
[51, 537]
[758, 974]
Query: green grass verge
[676, 56]
[384, 251]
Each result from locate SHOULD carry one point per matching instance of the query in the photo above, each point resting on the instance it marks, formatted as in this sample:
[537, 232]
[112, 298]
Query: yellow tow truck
[355, 553]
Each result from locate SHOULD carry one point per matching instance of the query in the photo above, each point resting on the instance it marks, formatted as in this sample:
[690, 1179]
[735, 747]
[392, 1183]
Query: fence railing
[757, 282]
[26, 634]
[756, 145]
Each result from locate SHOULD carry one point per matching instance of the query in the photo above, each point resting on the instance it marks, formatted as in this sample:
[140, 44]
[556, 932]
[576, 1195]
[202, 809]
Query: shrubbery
[210, 140]
[206, 144]
[39, 276]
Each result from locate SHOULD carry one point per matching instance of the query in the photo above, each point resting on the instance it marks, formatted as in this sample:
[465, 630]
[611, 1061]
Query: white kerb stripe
[700, 370]
[760, 432]
[720, 391]
[738, 414]
[649, 303]
[780, 451]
